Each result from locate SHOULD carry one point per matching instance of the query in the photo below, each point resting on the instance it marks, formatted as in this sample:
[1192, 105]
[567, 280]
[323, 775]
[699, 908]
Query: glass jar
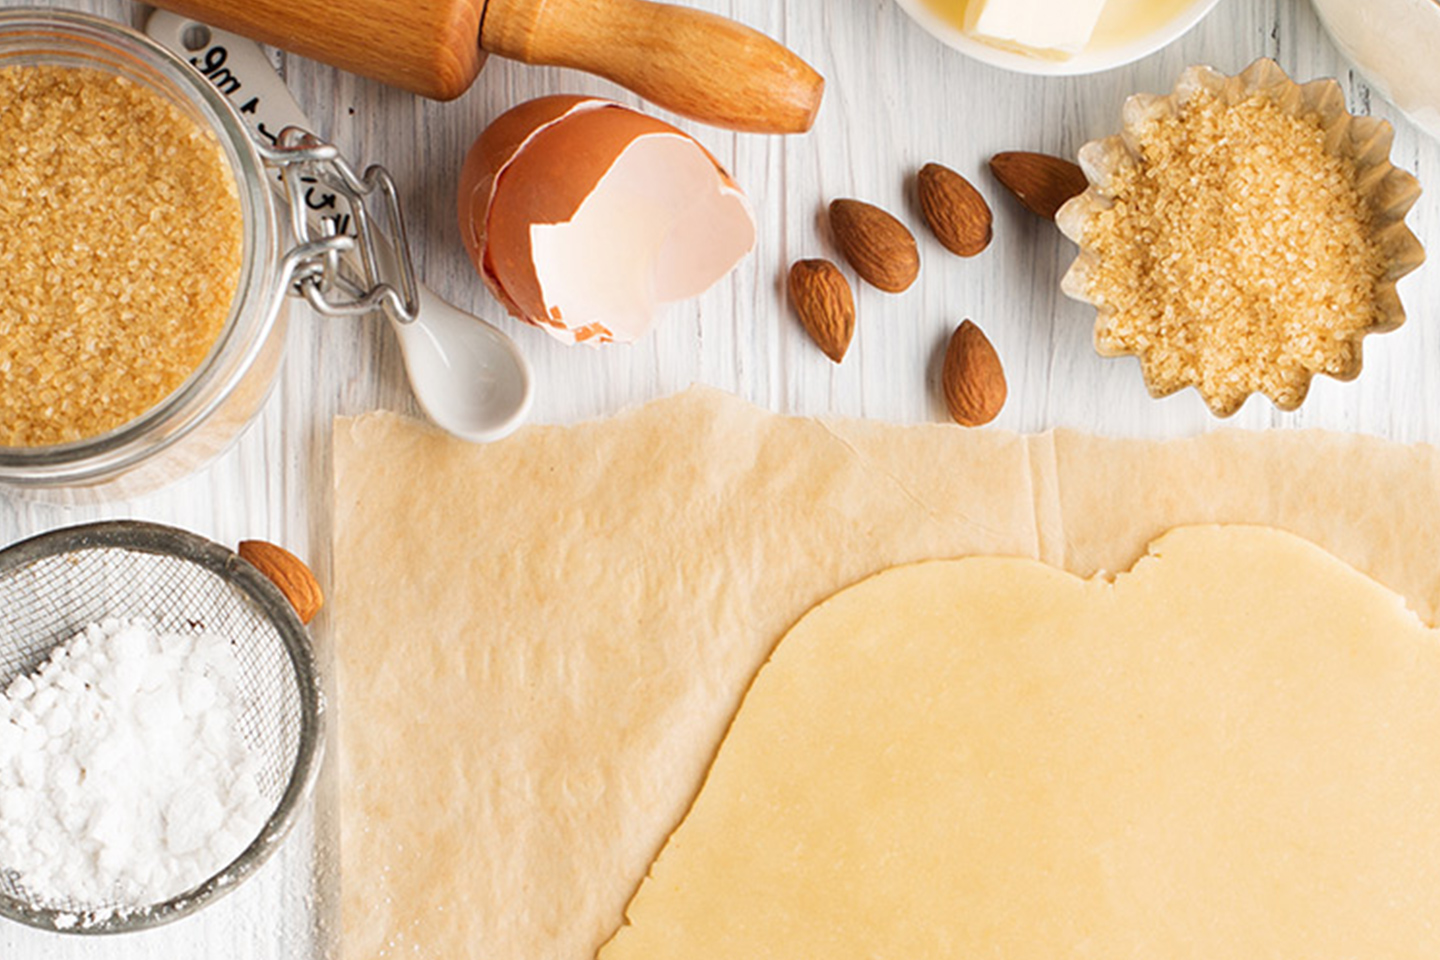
[340, 271]
[1396, 45]
[201, 417]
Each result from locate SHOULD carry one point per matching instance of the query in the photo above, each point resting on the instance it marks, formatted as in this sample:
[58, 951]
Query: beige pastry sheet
[1230, 751]
[541, 642]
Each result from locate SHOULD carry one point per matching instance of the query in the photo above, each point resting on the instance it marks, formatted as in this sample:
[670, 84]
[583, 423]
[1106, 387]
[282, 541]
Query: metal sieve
[53, 585]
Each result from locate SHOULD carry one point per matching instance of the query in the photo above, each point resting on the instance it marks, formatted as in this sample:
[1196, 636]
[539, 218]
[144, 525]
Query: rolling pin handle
[698, 64]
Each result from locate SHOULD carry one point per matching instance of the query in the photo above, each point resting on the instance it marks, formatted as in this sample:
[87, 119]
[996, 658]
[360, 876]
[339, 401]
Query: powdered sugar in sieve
[160, 724]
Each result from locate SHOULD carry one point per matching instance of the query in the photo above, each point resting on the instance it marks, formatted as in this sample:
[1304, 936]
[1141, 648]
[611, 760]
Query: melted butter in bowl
[1125, 31]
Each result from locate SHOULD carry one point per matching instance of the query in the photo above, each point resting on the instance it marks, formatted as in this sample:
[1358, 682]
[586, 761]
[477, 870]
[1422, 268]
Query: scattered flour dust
[124, 776]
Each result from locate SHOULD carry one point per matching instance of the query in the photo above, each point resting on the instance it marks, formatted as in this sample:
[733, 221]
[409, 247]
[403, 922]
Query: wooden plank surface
[896, 100]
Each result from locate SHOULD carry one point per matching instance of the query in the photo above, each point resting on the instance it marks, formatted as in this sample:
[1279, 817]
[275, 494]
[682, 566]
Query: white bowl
[1396, 45]
[1127, 31]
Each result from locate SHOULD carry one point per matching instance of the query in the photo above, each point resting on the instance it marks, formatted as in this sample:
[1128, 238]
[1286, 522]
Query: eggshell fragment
[583, 216]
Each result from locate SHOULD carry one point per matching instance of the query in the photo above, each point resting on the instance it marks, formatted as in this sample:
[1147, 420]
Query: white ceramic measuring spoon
[468, 377]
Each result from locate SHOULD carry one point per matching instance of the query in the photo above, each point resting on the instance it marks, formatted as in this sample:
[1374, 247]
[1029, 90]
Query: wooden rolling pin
[697, 64]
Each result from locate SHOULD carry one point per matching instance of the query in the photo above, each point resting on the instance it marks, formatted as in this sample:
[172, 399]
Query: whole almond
[972, 378]
[956, 212]
[878, 246]
[822, 300]
[288, 572]
[1041, 182]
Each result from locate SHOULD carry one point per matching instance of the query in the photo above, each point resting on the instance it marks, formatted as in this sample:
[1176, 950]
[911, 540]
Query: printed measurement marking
[215, 70]
[211, 65]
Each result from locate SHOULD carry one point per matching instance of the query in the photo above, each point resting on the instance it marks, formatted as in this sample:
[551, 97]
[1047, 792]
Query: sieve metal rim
[145, 537]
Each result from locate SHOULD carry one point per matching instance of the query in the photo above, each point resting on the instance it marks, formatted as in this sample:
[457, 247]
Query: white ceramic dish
[1396, 45]
[1127, 31]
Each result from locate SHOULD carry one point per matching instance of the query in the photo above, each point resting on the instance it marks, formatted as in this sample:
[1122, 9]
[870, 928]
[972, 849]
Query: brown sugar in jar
[121, 245]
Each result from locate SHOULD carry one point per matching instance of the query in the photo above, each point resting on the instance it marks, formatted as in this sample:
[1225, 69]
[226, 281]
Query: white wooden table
[896, 100]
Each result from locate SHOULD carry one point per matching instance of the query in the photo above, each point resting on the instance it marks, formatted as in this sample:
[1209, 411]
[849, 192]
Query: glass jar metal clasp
[342, 263]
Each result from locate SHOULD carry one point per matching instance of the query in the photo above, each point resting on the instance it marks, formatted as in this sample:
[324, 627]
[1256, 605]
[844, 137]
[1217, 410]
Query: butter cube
[1049, 28]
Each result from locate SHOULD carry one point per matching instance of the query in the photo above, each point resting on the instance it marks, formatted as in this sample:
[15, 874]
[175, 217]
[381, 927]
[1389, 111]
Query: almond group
[956, 212]
[880, 248]
[972, 379]
[822, 300]
[1039, 181]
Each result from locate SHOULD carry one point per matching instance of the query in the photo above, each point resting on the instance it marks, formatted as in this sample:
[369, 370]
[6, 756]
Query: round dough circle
[1232, 750]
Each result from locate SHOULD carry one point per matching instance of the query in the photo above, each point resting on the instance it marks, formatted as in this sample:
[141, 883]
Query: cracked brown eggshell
[584, 216]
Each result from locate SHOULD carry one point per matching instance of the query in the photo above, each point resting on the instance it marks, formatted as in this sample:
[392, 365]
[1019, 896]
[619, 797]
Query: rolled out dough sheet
[541, 642]
[1231, 751]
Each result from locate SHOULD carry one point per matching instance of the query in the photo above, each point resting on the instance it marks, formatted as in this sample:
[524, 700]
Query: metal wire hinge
[343, 265]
